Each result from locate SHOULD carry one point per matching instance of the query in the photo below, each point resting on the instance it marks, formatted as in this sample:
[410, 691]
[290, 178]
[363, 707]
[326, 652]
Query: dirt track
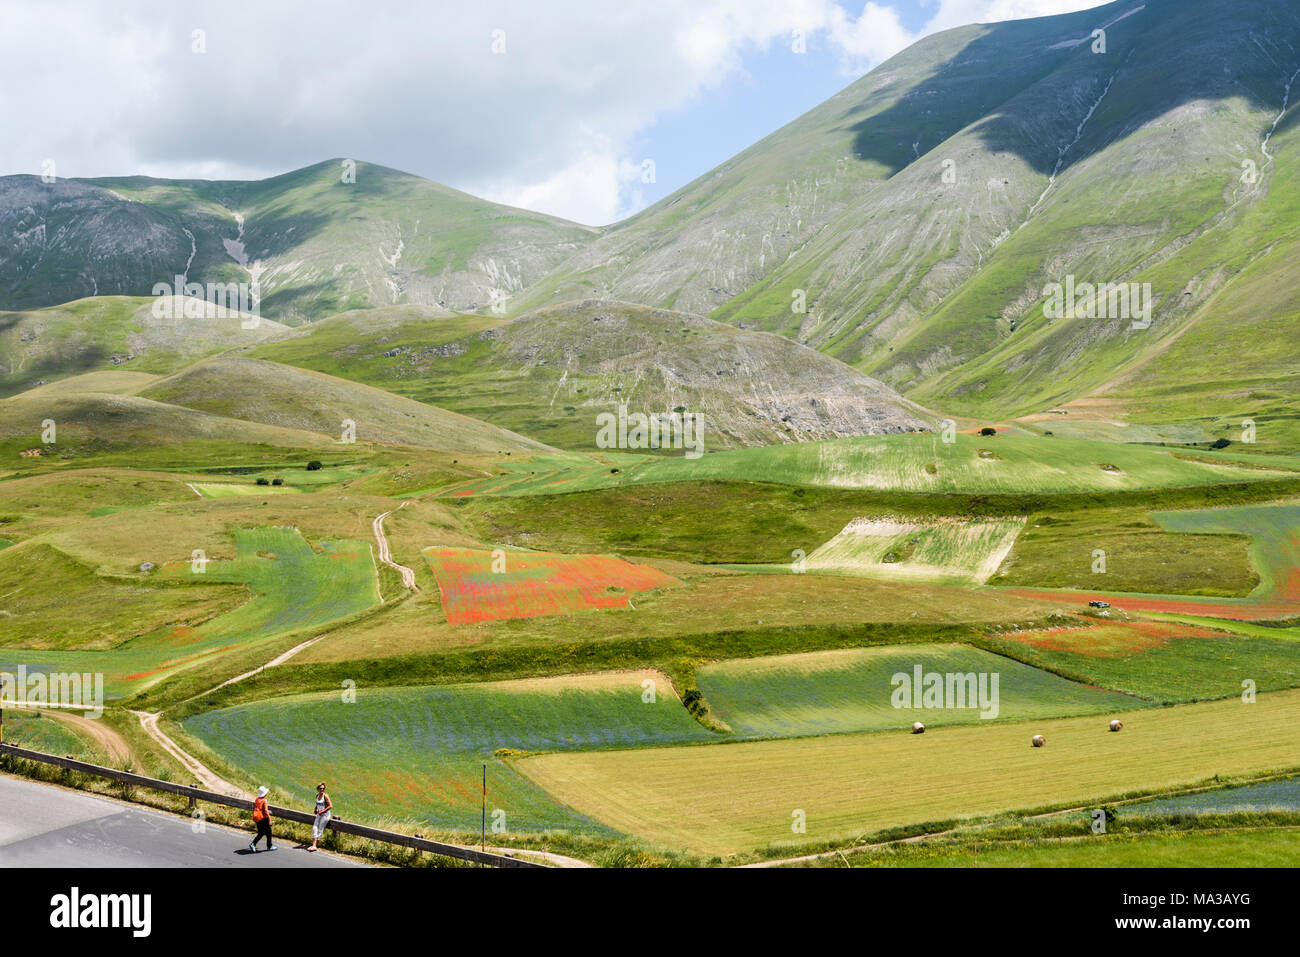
[205, 778]
[115, 747]
[386, 556]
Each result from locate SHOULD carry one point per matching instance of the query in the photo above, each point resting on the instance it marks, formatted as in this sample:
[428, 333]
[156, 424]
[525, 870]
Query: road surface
[46, 826]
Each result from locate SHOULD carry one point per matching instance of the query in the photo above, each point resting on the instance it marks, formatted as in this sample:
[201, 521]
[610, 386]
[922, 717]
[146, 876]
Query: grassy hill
[258, 391]
[89, 423]
[112, 334]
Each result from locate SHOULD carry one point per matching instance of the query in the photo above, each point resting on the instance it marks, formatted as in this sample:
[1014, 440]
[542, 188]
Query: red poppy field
[476, 587]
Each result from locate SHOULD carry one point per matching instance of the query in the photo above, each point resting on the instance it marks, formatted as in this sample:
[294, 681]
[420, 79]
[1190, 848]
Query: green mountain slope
[258, 391]
[921, 212]
[119, 333]
[816, 177]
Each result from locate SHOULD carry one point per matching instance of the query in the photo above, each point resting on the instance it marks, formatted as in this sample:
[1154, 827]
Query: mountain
[921, 212]
[910, 227]
[550, 373]
[319, 240]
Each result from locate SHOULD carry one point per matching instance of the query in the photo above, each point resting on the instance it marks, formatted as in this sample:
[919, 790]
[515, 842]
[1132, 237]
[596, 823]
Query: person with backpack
[262, 818]
[323, 808]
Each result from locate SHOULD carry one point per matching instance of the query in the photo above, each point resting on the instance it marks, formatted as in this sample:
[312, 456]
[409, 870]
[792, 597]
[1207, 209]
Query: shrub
[278, 481]
[1220, 444]
[263, 481]
[988, 430]
[313, 466]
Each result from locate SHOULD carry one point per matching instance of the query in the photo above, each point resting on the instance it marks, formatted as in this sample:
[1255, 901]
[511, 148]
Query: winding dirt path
[281, 659]
[385, 555]
[205, 777]
[559, 860]
[114, 746]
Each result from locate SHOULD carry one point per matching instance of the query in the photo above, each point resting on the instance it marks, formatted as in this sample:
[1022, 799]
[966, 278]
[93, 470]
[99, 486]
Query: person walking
[262, 818]
[323, 808]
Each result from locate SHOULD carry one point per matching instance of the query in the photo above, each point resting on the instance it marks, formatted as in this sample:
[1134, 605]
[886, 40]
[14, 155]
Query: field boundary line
[842, 851]
[279, 660]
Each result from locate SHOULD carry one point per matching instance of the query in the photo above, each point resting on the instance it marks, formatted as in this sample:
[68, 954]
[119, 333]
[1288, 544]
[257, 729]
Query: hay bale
[1039, 741]
[918, 728]
[1116, 724]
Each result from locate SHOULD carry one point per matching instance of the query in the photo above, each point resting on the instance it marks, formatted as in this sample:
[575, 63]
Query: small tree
[313, 466]
[277, 481]
[988, 430]
[1220, 444]
[263, 481]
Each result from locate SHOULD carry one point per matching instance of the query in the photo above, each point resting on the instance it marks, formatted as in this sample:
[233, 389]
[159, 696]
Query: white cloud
[551, 124]
[874, 36]
[956, 13]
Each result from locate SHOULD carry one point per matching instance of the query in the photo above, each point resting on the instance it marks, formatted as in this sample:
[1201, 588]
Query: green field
[1057, 550]
[913, 462]
[841, 691]
[1274, 532]
[416, 754]
[849, 785]
[37, 732]
[53, 601]
[1247, 847]
[1161, 662]
[34, 504]
[292, 584]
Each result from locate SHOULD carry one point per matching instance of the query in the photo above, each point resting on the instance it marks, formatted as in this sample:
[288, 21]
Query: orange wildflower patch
[1110, 640]
[534, 584]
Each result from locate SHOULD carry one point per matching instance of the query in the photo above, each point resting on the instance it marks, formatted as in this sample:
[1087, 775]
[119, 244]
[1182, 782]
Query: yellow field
[726, 798]
[229, 489]
[110, 381]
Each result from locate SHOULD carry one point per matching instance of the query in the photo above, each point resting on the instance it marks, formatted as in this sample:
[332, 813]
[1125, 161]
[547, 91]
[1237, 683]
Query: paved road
[46, 826]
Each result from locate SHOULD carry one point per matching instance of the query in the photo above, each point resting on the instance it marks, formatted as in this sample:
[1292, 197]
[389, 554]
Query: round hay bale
[1116, 724]
[1039, 741]
[918, 728]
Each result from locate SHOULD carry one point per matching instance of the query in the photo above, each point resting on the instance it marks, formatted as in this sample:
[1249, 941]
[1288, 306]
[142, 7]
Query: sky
[587, 110]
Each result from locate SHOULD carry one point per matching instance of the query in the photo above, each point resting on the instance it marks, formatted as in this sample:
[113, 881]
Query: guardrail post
[129, 780]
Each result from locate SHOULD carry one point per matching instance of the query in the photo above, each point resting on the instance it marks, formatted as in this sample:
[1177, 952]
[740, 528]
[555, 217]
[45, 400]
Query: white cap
[263, 791]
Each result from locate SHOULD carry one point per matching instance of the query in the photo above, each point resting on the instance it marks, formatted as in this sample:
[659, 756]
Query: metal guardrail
[283, 813]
